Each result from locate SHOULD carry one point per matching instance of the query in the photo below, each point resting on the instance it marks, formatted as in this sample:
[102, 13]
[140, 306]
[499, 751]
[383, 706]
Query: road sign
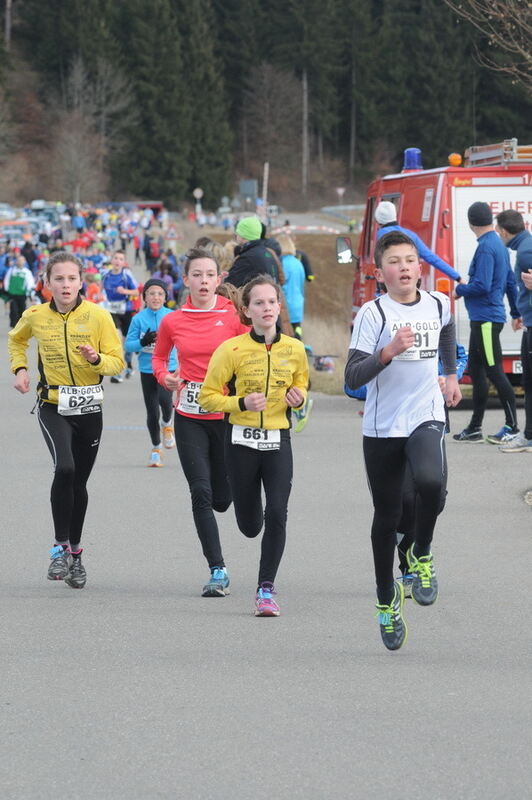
[198, 193]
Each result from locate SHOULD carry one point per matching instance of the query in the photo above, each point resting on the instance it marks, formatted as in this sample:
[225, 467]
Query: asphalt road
[137, 688]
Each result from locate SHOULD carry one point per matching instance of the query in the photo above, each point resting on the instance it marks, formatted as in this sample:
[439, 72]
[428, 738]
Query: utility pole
[304, 140]
[7, 36]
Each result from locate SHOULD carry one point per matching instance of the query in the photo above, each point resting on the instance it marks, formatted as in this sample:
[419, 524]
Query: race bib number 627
[79, 399]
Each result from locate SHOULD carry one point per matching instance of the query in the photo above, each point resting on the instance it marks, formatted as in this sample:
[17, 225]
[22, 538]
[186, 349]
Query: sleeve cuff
[241, 404]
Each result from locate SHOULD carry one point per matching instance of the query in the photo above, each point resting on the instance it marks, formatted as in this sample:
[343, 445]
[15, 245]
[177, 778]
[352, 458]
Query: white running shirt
[406, 392]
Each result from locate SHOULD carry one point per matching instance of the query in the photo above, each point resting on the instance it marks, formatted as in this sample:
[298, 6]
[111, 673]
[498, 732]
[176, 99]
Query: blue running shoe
[391, 621]
[505, 435]
[425, 583]
[60, 563]
[218, 585]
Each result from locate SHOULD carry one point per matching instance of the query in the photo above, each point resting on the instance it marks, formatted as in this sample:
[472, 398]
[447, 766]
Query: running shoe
[265, 605]
[392, 624]
[302, 415]
[506, 434]
[129, 372]
[406, 580]
[155, 458]
[472, 435]
[168, 437]
[76, 577]
[218, 585]
[117, 379]
[60, 562]
[425, 582]
[519, 444]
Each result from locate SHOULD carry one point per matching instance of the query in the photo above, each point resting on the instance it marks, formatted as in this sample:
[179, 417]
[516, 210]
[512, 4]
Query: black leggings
[122, 323]
[73, 443]
[17, 306]
[386, 460]
[526, 361]
[485, 361]
[407, 525]
[155, 397]
[200, 445]
[248, 470]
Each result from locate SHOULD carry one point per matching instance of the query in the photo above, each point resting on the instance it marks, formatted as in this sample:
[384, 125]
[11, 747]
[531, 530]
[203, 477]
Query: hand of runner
[526, 277]
[517, 324]
[256, 401]
[452, 392]
[88, 352]
[403, 339]
[172, 380]
[294, 397]
[22, 381]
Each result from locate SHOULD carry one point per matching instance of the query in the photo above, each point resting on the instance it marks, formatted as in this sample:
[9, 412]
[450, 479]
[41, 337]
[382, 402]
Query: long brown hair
[245, 296]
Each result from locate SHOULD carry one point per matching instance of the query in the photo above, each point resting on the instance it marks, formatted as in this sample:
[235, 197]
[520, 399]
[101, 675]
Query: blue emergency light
[412, 159]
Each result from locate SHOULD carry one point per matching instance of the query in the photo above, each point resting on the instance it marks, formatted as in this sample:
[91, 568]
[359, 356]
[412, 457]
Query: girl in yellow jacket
[77, 345]
[268, 375]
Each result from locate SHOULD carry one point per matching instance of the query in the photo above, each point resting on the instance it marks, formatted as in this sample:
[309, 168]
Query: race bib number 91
[188, 399]
[79, 400]
[256, 438]
[426, 338]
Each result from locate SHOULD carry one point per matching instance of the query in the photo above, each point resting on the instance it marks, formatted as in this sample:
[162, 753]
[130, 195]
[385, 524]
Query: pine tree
[210, 152]
[155, 161]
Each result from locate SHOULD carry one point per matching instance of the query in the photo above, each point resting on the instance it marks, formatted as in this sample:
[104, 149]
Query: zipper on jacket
[268, 353]
[66, 351]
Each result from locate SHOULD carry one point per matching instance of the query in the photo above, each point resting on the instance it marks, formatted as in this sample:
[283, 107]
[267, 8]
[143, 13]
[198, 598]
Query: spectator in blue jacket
[294, 283]
[511, 229]
[386, 218]
[490, 278]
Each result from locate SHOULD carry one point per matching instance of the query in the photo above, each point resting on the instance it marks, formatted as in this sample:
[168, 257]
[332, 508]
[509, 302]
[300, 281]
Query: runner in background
[268, 376]
[78, 345]
[120, 288]
[203, 322]
[141, 339]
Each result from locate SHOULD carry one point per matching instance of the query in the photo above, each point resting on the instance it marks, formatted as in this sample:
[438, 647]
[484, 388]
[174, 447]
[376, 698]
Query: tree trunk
[244, 141]
[304, 137]
[320, 151]
[353, 127]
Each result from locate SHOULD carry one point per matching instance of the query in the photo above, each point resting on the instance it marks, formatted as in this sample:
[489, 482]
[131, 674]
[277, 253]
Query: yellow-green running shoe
[302, 415]
[392, 624]
[425, 583]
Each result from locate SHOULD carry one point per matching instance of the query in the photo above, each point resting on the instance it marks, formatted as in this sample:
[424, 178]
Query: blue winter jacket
[424, 252]
[294, 287]
[142, 322]
[490, 278]
[522, 244]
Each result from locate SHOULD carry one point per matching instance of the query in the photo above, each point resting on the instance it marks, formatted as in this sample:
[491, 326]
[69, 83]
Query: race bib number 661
[256, 438]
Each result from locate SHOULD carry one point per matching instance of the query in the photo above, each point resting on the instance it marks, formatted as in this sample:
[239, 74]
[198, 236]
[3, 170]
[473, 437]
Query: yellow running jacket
[246, 364]
[58, 337]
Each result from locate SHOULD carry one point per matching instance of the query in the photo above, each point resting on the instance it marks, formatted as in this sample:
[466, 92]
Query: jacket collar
[260, 339]
[78, 303]
[514, 243]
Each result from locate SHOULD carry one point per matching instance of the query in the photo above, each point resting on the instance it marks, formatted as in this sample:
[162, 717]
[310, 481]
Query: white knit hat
[385, 212]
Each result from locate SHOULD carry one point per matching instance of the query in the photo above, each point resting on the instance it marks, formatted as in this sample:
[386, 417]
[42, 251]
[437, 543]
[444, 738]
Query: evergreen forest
[132, 99]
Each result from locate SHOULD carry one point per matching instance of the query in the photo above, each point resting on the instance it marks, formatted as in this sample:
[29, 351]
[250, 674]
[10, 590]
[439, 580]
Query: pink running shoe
[265, 605]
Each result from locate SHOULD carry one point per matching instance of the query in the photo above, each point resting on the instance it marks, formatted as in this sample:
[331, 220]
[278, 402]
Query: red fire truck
[433, 203]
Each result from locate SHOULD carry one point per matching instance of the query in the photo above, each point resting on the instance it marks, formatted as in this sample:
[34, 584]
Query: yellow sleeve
[17, 343]
[110, 348]
[219, 372]
[301, 375]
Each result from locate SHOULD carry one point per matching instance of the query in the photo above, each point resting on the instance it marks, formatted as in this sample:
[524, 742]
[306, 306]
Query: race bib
[79, 399]
[256, 438]
[188, 399]
[115, 306]
[426, 338]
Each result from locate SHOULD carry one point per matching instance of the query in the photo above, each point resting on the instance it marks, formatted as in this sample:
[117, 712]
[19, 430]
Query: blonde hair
[288, 247]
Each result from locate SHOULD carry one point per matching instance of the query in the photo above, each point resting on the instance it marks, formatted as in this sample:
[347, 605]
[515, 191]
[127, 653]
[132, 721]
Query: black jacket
[252, 259]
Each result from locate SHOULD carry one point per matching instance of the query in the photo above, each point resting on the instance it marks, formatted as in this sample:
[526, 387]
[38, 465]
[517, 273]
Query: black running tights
[386, 460]
[248, 471]
[485, 361]
[155, 397]
[73, 443]
[200, 445]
